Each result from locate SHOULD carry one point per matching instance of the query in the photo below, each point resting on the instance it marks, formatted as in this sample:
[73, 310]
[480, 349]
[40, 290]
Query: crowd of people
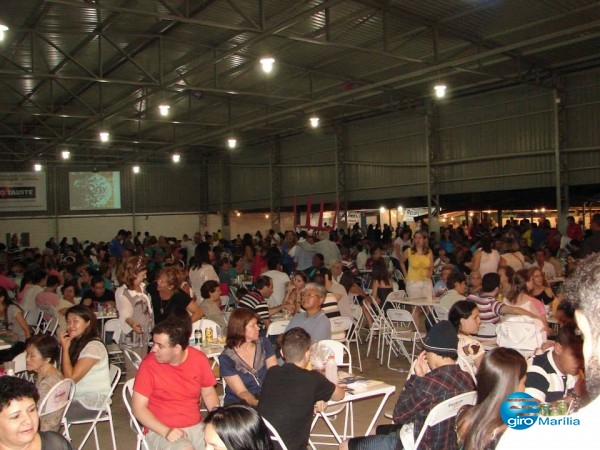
[160, 286]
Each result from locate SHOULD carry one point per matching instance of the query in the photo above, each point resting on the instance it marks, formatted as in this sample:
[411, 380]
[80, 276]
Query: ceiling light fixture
[37, 167]
[267, 64]
[3, 30]
[314, 121]
[440, 90]
[65, 154]
[136, 169]
[164, 109]
[231, 142]
[176, 157]
[104, 136]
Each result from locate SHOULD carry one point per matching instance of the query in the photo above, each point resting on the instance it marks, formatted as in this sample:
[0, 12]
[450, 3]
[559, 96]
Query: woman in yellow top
[420, 267]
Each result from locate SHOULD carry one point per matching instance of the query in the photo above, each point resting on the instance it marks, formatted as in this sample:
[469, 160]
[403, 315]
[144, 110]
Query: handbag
[520, 332]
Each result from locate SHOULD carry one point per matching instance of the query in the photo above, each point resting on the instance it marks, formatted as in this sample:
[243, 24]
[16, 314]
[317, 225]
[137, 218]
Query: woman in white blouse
[202, 270]
[133, 304]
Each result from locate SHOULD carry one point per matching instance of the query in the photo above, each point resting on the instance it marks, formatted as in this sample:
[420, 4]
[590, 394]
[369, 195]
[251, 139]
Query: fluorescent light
[136, 169]
[314, 121]
[176, 157]
[66, 154]
[266, 216]
[37, 167]
[3, 30]
[382, 209]
[164, 109]
[440, 90]
[104, 136]
[267, 64]
[231, 142]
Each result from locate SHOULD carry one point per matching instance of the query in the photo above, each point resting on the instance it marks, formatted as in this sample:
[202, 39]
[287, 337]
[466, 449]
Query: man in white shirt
[578, 430]
[279, 277]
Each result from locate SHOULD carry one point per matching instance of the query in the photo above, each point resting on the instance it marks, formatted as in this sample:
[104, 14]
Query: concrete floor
[363, 410]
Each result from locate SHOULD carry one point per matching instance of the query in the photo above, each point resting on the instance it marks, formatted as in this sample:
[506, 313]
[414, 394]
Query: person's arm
[23, 324]
[139, 406]
[209, 397]
[403, 262]
[374, 291]
[502, 262]
[508, 309]
[194, 310]
[398, 250]
[125, 311]
[476, 260]
[271, 361]
[430, 268]
[338, 394]
[238, 387]
[412, 399]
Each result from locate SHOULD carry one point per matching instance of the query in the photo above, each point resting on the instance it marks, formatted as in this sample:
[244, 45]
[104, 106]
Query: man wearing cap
[436, 378]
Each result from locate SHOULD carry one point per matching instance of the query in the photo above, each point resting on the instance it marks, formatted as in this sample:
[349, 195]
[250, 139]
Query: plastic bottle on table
[331, 370]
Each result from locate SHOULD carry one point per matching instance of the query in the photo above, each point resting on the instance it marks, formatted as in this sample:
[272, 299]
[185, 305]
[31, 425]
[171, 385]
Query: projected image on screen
[99, 190]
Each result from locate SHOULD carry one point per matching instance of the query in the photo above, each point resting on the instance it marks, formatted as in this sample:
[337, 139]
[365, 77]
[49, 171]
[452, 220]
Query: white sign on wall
[23, 191]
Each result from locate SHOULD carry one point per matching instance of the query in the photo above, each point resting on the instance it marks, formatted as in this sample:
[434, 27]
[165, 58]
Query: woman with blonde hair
[169, 298]
[420, 267]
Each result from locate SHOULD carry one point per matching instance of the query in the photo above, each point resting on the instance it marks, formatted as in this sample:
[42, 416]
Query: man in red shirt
[169, 385]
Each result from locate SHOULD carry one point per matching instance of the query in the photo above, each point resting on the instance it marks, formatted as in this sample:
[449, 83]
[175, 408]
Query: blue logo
[519, 411]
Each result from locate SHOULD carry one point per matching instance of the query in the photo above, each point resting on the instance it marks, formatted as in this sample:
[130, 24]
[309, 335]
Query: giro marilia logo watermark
[521, 411]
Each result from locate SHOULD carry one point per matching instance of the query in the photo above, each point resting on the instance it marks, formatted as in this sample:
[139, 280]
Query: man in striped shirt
[554, 374]
[491, 309]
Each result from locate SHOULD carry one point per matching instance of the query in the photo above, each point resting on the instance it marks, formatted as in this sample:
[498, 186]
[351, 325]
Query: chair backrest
[133, 422]
[444, 411]
[112, 326]
[440, 313]
[340, 325]
[51, 326]
[277, 327]
[36, 319]
[132, 356]
[400, 315]
[341, 352]
[48, 311]
[115, 376]
[274, 435]
[58, 398]
[356, 312]
[20, 363]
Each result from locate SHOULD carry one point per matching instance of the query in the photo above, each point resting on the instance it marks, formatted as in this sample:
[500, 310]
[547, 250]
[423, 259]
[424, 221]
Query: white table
[211, 350]
[376, 389]
[425, 304]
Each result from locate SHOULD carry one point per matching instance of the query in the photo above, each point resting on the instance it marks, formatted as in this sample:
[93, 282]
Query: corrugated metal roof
[70, 67]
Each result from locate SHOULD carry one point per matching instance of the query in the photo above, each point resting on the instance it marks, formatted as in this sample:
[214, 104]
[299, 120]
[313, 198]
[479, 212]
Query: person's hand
[175, 434]
[320, 406]
[65, 341]
[137, 328]
[290, 288]
[421, 366]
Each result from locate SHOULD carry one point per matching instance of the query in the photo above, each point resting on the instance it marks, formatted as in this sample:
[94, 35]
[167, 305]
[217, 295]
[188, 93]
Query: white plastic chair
[21, 367]
[277, 327]
[274, 435]
[58, 398]
[344, 329]
[115, 353]
[132, 356]
[51, 326]
[440, 313]
[102, 414]
[36, 321]
[403, 329]
[343, 359]
[133, 422]
[441, 412]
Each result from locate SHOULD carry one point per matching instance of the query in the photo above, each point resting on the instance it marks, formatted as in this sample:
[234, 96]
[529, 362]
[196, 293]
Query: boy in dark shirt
[291, 394]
